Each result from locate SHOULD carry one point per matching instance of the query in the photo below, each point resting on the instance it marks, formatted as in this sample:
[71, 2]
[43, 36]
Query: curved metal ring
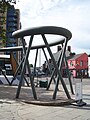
[19, 48]
[43, 30]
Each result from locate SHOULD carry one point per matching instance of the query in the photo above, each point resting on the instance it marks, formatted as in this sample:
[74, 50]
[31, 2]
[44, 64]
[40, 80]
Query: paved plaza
[11, 109]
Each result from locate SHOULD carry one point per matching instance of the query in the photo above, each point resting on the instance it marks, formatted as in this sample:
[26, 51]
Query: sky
[71, 14]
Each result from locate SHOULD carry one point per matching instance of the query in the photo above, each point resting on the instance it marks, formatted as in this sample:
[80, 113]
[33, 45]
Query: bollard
[43, 83]
[78, 93]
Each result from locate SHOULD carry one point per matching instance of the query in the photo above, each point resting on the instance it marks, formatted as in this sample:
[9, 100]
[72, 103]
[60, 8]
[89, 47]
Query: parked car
[37, 73]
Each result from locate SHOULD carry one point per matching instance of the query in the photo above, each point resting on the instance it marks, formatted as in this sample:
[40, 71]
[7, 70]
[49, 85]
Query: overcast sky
[71, 14]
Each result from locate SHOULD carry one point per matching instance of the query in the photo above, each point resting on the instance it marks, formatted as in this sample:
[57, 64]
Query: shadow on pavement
[44, 96]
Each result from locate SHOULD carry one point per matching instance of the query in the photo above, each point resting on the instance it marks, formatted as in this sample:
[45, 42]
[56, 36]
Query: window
[87, 63]
[71, 63]
[77, 62]
[81, 63]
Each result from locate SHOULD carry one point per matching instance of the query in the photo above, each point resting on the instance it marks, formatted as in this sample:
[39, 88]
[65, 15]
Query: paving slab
[44, 96]
[11, 109]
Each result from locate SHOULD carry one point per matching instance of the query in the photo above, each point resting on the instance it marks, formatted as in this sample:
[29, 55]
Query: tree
[3, 9]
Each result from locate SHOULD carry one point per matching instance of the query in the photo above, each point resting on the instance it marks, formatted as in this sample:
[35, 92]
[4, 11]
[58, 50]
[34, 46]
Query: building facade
[78, 65]
[9, 22]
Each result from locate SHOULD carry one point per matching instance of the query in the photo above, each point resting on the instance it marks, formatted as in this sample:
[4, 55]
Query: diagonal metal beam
[60, 77]
[5, 76]
[53, 73]
[49, 68]
[16, 73]
[22, 71]
[69, 78]
[35, 63]
[27, 63]
[57, 70]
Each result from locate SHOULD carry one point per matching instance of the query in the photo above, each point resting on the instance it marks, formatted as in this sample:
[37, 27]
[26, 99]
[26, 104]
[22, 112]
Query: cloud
[71, 14]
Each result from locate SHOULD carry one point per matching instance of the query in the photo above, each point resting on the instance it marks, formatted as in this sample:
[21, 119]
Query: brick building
[78, 65]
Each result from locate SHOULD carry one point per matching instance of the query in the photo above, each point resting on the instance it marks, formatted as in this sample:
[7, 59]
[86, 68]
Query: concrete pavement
[11, 109]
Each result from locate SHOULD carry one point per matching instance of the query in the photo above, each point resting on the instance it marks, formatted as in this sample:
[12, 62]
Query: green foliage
[2, 23]
[3, 10]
